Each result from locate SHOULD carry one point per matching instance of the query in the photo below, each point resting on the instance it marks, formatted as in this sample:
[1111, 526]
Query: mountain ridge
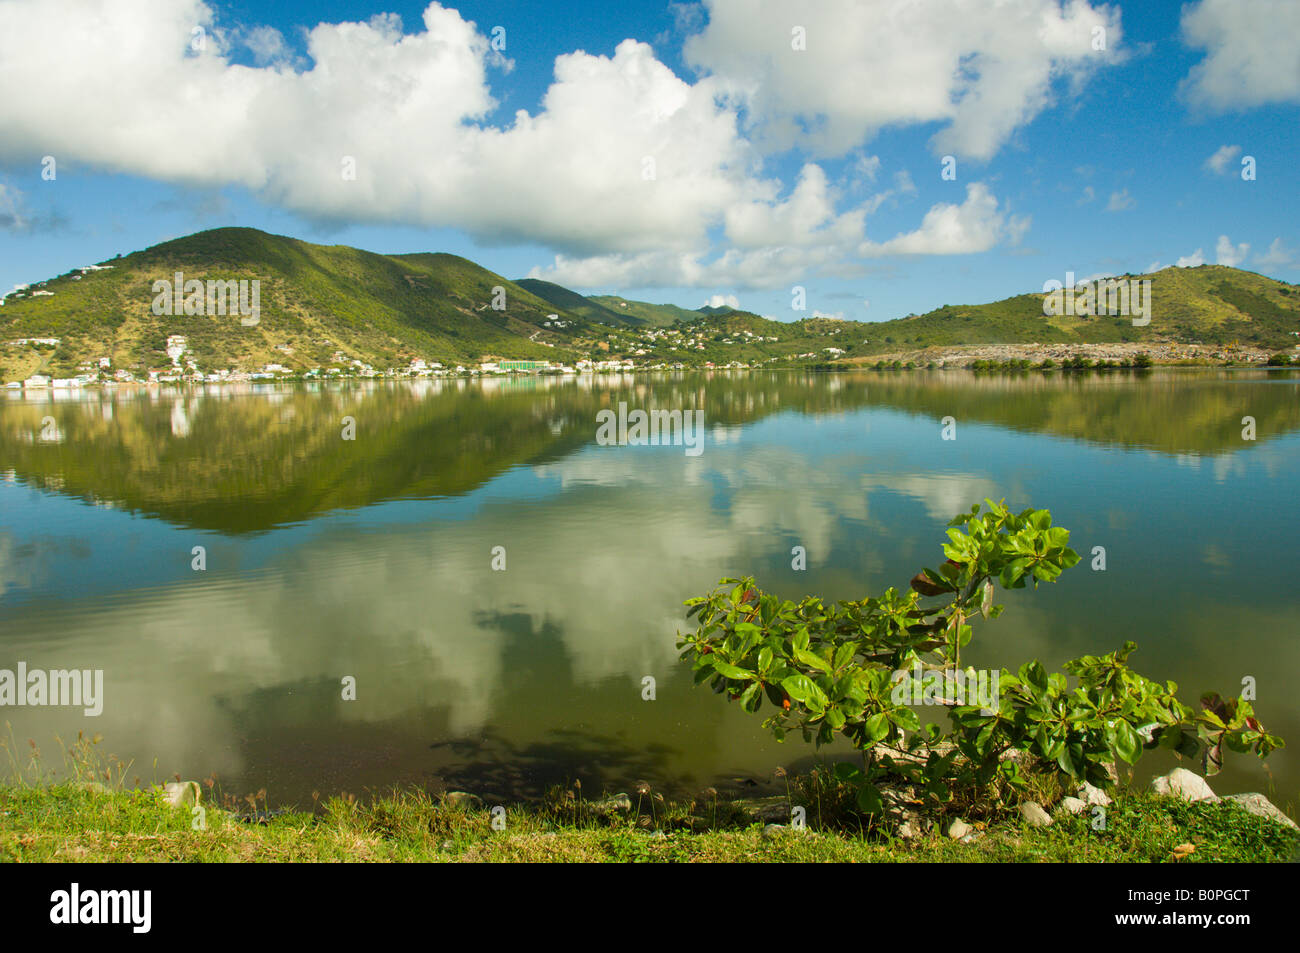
[324, 306]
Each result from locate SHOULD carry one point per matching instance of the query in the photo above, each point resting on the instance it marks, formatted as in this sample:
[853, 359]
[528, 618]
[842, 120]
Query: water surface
[372, 558]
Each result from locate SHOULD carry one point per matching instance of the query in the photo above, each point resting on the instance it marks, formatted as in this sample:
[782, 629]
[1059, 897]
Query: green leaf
[876, 727]
[811, 658]
[804, 689]
[844, 654]
[732, 671]
[846, 771]
[1013, 571]
[905, 718]
[869, 799]
[1128, 743]
[1035, 675]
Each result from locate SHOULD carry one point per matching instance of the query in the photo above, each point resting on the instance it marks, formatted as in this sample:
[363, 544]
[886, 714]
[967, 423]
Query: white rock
[1093, 795]
[1034, 814]
[958, 829]
[614, 804]
[1181, 783]
[181, 793]
[1070, 805]
[463, 799]
[1260, 806]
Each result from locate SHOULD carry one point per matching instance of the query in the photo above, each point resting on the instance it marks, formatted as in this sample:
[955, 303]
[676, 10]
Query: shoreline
[1161, 354]
[87, 822]
[1117, 356]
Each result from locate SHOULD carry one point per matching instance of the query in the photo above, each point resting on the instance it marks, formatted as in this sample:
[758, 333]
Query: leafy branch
[847, 669]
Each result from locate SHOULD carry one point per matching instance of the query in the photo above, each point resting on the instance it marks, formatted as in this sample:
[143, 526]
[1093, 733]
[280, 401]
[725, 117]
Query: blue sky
[772, 165]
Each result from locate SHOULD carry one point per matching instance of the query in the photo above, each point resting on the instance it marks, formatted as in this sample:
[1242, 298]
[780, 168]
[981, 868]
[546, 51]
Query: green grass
[92, 816]
[68, 823]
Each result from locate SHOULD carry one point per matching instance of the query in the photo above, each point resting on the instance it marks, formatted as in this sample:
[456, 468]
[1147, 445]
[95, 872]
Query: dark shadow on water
[493, 767]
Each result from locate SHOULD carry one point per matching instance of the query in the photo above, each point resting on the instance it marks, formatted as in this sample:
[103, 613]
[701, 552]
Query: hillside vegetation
[653, 315]
[316, 301]
[590, 308]
[335, 306]
[1210, 304]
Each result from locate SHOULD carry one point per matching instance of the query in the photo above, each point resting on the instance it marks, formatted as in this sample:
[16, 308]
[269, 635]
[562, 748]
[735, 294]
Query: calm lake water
[372, 558]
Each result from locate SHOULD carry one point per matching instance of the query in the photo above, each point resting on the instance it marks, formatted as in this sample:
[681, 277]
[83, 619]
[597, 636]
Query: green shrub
[835, 669]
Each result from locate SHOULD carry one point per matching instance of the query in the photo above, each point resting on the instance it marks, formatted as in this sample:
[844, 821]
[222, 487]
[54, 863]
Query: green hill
[1210, 304]
[336, 306]
[575, 303]
[315, 300]
[650, 315]
[729, 336]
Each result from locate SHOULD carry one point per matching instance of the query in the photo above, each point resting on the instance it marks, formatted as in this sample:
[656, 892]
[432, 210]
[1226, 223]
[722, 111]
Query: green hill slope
[650, 315]
[575, 303]
[1211, 304]
[330, 306]
[316, 301]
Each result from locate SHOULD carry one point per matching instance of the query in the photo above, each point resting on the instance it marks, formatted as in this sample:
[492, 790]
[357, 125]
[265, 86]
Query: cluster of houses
[694, 338]
[26, 291]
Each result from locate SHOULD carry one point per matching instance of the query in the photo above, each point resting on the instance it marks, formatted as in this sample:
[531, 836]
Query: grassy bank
[91, 809]
[73, 822]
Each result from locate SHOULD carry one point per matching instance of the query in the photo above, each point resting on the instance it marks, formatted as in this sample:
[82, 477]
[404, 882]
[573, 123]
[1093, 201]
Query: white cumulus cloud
[1223, 156]
[1120, 201]
[1252, 54]
[983, 70]
[630, 174]
[1226, 253]
[1277, 256]
[975, 225]
[409, 108]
